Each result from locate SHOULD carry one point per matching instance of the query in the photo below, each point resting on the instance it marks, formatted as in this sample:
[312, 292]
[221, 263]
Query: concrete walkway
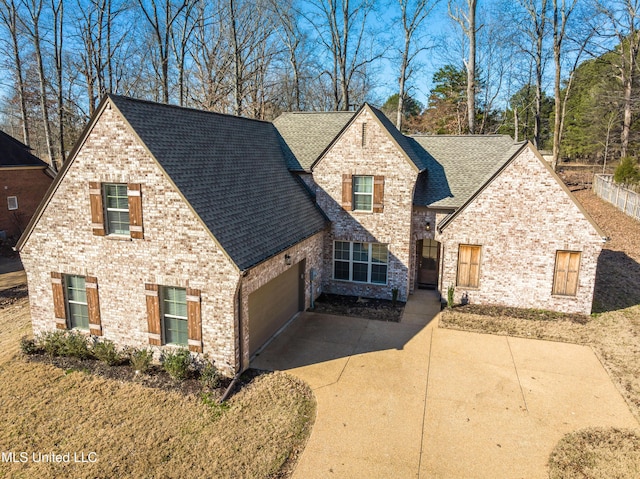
[409, 400]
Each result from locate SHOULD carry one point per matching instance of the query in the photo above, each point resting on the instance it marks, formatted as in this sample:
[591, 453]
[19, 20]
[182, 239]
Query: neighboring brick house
[24, 180]
[171, 226]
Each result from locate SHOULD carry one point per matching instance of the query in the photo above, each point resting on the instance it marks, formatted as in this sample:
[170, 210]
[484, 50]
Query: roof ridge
[429, 135]
[183, 108]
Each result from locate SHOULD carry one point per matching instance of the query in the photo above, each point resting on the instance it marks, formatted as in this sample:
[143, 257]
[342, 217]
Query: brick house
[171, 226]
[24, 180]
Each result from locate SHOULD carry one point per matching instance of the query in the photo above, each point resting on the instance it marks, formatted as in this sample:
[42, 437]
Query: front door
[428, 260]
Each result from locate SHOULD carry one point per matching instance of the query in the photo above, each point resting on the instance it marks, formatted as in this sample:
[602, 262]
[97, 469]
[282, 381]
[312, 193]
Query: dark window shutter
[194, 326]
[134, 192]
[59, 309]
[97, 213]
[153, 314]
[347, 192]
[378, 194]
[93, 305]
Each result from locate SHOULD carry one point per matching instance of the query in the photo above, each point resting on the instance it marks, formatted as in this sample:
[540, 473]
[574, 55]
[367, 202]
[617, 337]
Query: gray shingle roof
[232, 171]
[405, 143]
[16, 153]
[307, 135]
[457, 166]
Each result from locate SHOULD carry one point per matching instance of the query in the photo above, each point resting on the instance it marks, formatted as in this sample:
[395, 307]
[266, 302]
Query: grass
[136, 431]
[596, 453]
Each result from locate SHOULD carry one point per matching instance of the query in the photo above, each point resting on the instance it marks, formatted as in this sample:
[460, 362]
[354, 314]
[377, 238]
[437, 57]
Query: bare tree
[180, 40]
[624, 18]
[10, 19]
[161, 19]
[32, 26]
[467, 21]
[57, 9]
[412, 15]
[341, 26]
[561, 15]
[535, 28]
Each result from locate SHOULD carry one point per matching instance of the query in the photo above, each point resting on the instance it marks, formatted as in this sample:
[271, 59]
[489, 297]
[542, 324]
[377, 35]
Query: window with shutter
[93, 305]
[194, 326]
[565, 280]
[363, 193]
[153, 314]
[347, 188]
[76, 302]
[116, 209]
[59, 307]
[469, 266]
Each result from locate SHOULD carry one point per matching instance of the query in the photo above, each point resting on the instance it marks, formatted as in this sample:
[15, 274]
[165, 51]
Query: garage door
[272, 305]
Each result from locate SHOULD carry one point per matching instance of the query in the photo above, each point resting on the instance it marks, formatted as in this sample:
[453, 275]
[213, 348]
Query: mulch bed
[520, 313]
[369, 308]
[155, 377]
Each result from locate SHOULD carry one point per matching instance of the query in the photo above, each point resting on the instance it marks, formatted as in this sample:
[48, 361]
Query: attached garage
[275, 303]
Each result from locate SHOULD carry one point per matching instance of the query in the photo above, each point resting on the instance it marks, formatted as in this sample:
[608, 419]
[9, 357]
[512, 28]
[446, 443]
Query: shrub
[75, 345]
[210, 377]
[107, 352]
[450, 291]
[141, 359]
[627, 172]
[177, 363]
[28, 346]
[52, 342]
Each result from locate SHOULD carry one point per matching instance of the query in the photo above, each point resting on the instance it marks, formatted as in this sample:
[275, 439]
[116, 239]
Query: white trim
[351, 262]
[194, 342]
[12, 203]
[354, 193]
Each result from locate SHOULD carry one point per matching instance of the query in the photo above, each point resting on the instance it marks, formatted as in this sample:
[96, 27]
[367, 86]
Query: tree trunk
[237, 80]
[471, 67]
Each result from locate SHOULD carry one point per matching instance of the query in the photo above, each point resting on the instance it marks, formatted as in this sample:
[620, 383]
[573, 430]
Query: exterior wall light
[427, 227]
[287, 259]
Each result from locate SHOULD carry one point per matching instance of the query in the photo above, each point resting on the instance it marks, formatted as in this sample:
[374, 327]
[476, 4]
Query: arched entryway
[428, 253]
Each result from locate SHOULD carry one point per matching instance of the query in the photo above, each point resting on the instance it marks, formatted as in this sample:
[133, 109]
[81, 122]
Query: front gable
[520, 220]
[364, 184]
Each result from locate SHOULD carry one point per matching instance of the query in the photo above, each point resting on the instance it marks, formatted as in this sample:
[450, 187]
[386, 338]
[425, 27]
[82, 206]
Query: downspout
[240, 369]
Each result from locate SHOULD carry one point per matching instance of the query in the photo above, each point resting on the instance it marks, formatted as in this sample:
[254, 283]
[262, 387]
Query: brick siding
[521, 219]
[28, 185]
[176, 250]
[393, 226]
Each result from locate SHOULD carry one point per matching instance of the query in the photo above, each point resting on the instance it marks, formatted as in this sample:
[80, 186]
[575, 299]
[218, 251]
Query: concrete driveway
[408, 399]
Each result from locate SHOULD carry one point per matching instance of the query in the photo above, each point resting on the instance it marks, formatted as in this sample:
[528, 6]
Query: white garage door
[272, 305]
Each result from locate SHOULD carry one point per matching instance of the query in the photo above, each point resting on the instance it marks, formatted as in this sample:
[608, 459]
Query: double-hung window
[116, 203]
[360, 262]
[12, 203]
[363, 193]
[174, 315]
[76, 301]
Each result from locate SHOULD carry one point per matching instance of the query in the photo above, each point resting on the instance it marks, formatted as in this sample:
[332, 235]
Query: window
[360, 262]
[76, 302]
[174, 315]
[12, 202]
[117, 208]
[468, 266]
[565, 278]
[363, 193]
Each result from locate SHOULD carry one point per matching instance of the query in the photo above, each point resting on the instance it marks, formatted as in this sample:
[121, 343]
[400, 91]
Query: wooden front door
[428, 260]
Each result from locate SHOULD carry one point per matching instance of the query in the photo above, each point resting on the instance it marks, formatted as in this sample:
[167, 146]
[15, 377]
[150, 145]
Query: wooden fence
[624, 199]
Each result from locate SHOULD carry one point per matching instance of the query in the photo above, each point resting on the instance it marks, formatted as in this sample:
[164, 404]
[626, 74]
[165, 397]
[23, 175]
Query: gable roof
[232, 173]
[403, 143]
[458, 165]
[307, 135]
[15, 153]
[514, 153]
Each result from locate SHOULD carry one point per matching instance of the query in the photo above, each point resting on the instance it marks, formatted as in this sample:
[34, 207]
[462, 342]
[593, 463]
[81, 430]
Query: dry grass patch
[597, 453]
[136, 431]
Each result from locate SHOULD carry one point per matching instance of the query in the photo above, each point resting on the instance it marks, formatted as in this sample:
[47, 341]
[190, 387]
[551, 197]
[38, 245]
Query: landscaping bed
[369, 308]
[145, 424]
